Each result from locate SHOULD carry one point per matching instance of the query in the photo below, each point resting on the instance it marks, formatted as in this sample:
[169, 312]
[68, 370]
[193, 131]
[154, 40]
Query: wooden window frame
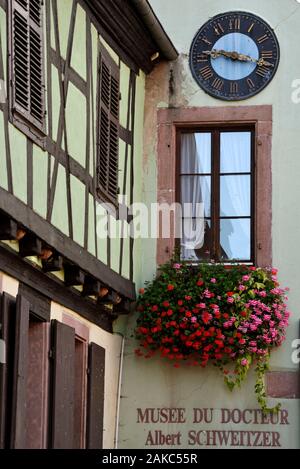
[102, 193]
[215, 174]
[260, 118]
[24, 121]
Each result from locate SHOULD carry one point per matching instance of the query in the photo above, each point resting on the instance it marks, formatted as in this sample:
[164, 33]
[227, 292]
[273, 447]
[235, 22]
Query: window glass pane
[235, 196]
[196, 196]
[235, 152]
[196, 153]
[196, 239]
[235, 239]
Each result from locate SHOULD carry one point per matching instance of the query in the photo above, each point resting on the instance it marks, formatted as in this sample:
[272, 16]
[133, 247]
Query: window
[27, 100]
[216, 193]
[108, 129]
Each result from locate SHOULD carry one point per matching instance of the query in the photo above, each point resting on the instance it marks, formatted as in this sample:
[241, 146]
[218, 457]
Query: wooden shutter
[95, 403]
[18, 419]
[27, 60]
[7, 313]
[108, 128]
[63, 385]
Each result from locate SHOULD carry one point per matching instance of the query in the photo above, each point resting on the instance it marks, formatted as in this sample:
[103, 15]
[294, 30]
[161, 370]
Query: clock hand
[214, 53]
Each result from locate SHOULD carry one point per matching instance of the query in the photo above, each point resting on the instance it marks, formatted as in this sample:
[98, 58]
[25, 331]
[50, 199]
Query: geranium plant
[230, 316]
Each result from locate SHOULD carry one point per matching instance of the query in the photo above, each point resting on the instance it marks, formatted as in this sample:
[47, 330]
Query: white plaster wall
[153, 383]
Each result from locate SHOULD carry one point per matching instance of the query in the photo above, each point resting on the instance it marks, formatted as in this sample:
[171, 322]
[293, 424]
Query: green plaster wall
[18, 154]
[3, 166]
[40, 176]
[60, 209]
[78, 59]
[78, 209]
[76, 124]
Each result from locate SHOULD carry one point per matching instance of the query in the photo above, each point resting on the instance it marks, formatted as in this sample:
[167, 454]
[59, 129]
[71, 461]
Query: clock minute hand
[214, 53]
[260, 62]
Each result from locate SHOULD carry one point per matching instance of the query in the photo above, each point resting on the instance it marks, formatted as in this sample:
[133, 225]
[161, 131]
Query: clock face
[234, 56]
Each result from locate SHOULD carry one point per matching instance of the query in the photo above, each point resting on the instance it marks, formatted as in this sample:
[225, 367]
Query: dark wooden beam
[53, 264]
[52, 288]
[124, 307]
[74, 276]
[30, 245]
[91, 286]
[64, 245]
[8, 228]
[112, 297]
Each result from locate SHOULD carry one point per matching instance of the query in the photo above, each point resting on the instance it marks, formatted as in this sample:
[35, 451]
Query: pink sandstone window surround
[260, 118]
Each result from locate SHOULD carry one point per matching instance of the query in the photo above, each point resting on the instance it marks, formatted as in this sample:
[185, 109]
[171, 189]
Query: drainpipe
[119, 391]
[158, 33]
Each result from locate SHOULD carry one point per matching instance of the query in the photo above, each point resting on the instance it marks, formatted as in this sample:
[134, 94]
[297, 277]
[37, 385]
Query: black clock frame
[205, 84]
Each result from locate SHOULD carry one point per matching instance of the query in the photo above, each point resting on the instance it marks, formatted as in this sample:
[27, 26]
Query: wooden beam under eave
[53, 264]
[124, 307]
[91, 286]
[8, 228]
[74, 276]
[30, 245]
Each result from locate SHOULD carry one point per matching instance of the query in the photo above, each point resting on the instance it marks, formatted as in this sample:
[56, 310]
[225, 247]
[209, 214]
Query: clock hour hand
[214, 54]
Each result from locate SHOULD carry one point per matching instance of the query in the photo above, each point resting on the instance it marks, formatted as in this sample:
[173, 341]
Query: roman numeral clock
[234, 56]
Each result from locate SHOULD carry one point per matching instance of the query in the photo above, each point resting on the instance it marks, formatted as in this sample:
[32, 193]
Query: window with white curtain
[216, 193]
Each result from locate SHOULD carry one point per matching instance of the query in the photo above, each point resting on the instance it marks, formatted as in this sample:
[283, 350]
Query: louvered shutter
[7, 314]
[108, 128]
[18, 419]
[27, 60]
[95, 401]
[63, 385]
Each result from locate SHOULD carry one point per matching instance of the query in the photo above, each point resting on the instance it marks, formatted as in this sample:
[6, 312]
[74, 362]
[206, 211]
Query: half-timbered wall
[57, 178]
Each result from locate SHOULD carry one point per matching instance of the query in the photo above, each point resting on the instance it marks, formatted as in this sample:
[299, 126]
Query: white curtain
[195, 192]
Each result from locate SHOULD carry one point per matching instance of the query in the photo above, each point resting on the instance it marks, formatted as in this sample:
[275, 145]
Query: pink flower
[177, 266]
[244, 362]
[194, 319]
[246, 278]
[230, 299]
[213, 280]
[263, 294]
[242, 287]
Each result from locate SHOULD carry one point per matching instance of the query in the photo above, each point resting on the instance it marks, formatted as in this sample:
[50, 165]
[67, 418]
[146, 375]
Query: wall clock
[234, 56]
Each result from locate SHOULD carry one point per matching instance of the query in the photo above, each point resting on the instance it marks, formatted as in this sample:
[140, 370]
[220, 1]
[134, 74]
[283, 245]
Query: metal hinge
[51, 354]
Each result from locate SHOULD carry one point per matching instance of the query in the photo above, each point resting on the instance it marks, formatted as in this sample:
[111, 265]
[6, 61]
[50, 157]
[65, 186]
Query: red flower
[143, 330]
[206, 317]
[180, 302]
[170, 287]
[242, 341]
[219, 343]
[225, 316]
[189, 343]
[231, 340]
[188, 314]
[188, 298]
[141, 291]
[169, 312]
[230, 293]
[155, 308]
[244, 314]
[177, 332]
[166, 304]
[200, 283]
